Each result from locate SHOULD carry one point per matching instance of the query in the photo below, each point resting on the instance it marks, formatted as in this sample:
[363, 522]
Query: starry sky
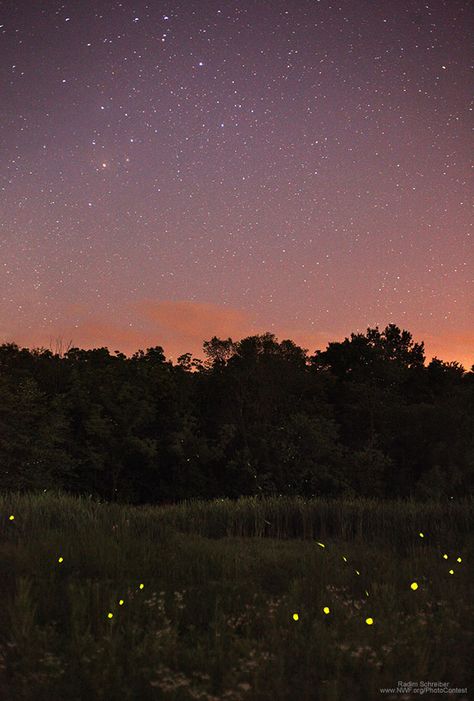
[171, 171]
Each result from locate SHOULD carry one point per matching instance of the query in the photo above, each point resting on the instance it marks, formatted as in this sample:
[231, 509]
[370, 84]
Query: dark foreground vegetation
[257, 417]
[123, 603]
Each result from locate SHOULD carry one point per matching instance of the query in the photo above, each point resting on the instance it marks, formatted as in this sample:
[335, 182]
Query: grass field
[226, 600]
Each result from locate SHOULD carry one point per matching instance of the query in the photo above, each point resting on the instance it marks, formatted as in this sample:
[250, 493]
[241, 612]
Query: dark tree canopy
[371, 353]
[257, 416]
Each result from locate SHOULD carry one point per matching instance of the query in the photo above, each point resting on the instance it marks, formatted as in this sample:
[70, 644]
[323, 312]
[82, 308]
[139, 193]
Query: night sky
[171, 171]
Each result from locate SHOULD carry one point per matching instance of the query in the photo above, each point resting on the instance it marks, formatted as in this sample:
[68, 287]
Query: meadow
[255, 599]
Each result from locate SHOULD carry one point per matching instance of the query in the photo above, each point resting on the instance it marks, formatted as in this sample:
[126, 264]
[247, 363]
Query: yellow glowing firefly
[295, 617]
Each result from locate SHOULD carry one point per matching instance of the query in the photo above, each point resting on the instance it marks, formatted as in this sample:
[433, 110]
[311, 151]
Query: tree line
[367, 416]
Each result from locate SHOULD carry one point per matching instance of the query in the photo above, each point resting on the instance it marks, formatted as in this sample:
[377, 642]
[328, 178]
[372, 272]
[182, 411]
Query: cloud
[194, 320]
[178, 326]
[182, 326]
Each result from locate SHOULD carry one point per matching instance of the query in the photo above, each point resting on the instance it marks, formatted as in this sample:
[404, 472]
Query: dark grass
[222, 581]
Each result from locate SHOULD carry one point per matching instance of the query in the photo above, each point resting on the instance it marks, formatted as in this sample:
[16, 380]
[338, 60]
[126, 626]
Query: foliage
[256, 416]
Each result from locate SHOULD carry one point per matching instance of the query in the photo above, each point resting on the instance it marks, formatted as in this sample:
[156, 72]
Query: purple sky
[174, 170]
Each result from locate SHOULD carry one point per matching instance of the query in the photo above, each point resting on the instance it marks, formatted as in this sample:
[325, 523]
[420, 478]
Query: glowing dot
[445, 556]
[295, 617]
[110, 615]
[366, 593]
[369, 621]
[60, 559]
[357, 572]
[414, 586]
[421, 535]
[451, 571]
[459, 559]
[344, 558]
[326, 610]
[104, 165]
[11, 518]
[321, 545]
[142, 586]
[120, 602]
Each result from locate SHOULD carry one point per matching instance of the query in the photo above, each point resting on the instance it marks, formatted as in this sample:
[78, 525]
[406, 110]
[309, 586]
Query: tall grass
[395, 523]
[221, 582]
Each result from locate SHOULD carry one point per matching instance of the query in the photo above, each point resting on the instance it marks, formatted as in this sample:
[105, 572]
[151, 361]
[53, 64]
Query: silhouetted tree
[256, 416]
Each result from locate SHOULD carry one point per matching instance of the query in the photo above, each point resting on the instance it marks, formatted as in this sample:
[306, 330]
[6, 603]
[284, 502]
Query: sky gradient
[170, 171]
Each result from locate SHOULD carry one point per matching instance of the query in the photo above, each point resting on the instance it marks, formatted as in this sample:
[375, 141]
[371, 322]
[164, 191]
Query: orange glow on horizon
[182, 327]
